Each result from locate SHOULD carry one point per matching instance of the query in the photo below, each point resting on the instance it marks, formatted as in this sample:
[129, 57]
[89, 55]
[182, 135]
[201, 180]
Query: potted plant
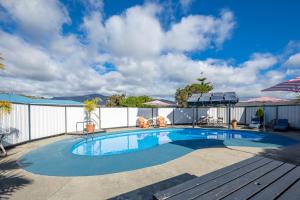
[234, 123]
[260, 113]
[90, 106]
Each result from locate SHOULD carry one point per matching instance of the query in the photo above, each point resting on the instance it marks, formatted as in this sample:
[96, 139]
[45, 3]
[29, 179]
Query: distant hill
[91, 96]
[83, 98]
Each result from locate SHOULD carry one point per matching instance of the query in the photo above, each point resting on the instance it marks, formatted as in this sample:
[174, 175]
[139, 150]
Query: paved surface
[15, 183]
[253, 178]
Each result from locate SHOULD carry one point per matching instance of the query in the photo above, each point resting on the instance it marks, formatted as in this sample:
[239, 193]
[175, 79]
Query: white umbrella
[159, 103]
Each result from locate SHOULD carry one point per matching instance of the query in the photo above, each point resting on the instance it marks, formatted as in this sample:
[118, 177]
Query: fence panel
[223, 112]
[213, 112]
[113, 117]
[74, 115]
[238, 113]
[95, 117]
[167, 113]
[16, 124]
[203, 112]
[183, 115]
[250, 112]
[47, 121]
[292, 113]
[135, 113]
[270, 114]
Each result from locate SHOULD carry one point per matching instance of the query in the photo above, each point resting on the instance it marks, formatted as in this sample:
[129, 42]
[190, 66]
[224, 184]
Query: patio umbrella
[292, 85]
[159, 103]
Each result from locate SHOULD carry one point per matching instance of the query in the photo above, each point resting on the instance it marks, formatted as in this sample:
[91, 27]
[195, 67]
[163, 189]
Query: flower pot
[234, 124]
[90, 128]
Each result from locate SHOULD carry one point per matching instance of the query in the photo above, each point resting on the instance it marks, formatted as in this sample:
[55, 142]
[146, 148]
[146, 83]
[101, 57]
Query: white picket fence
[30, 122]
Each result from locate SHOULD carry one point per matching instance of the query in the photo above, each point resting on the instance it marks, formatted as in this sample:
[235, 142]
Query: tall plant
[90, 106]
[260, 113]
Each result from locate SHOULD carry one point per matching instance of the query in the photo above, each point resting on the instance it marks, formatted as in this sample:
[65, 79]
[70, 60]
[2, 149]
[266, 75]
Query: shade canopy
[213, 99]
[265, 100]
[159, 103]
[292, 85]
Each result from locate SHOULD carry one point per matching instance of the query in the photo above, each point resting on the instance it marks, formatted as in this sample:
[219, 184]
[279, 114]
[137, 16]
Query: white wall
[74, 115]
[167, 113]
[292, 113]
[113, 117]
[47, 121]
[183, 115]
[250, 112]
[238, 113]
[270, 114]
[135, 113]
[16, 124]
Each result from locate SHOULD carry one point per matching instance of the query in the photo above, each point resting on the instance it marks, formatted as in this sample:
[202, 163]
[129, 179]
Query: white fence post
[29, 122]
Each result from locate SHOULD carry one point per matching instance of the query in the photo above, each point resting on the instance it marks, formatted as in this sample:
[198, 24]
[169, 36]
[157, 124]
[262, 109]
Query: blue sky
[57, 48]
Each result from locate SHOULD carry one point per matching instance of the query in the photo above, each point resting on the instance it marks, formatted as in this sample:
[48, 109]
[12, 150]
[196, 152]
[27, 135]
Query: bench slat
[240, 182]
[279, 186]
[259, 184]
[200, 180]
[212, 184]
[292, 193]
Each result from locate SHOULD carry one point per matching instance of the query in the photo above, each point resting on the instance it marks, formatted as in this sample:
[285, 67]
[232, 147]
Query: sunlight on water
[137, 141]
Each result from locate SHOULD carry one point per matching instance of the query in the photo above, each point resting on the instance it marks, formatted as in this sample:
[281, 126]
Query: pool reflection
[136, 141]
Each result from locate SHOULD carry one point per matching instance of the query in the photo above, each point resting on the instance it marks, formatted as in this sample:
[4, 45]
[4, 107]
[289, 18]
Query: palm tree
[201, 88]
[1, 62]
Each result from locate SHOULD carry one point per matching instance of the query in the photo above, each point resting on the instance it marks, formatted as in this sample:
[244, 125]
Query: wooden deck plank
[217, 182]
[240, 182]
[279, 186]
[200, 180]
[292, 193]
[259, 184]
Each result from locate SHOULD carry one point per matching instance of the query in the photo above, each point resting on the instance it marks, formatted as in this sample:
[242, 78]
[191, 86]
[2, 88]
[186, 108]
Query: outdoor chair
[203, 120]
[220, 120]
[161, 122]
[255, 123]
[281, 125]
[143, 123]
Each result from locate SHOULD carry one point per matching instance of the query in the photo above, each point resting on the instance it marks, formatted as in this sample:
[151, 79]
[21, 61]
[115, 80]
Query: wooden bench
[254, 178]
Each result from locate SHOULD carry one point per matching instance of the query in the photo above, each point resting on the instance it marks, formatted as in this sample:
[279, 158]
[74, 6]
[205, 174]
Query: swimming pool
[125, 151]
[137, 141]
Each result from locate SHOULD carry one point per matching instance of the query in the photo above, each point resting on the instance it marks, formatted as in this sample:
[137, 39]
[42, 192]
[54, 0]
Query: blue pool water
[138, 141]
[124, 151]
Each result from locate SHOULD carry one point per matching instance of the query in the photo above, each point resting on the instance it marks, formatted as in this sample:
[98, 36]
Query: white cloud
[138, 33]
[293, 60]
[185, 4]
[39, 19]
[148, 59]
[199, 32]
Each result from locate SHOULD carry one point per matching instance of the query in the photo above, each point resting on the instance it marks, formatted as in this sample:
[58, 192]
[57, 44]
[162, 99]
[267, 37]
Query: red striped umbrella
[292, 85]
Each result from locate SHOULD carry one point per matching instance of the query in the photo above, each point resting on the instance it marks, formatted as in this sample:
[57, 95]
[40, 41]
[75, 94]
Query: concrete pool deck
[16, 183]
